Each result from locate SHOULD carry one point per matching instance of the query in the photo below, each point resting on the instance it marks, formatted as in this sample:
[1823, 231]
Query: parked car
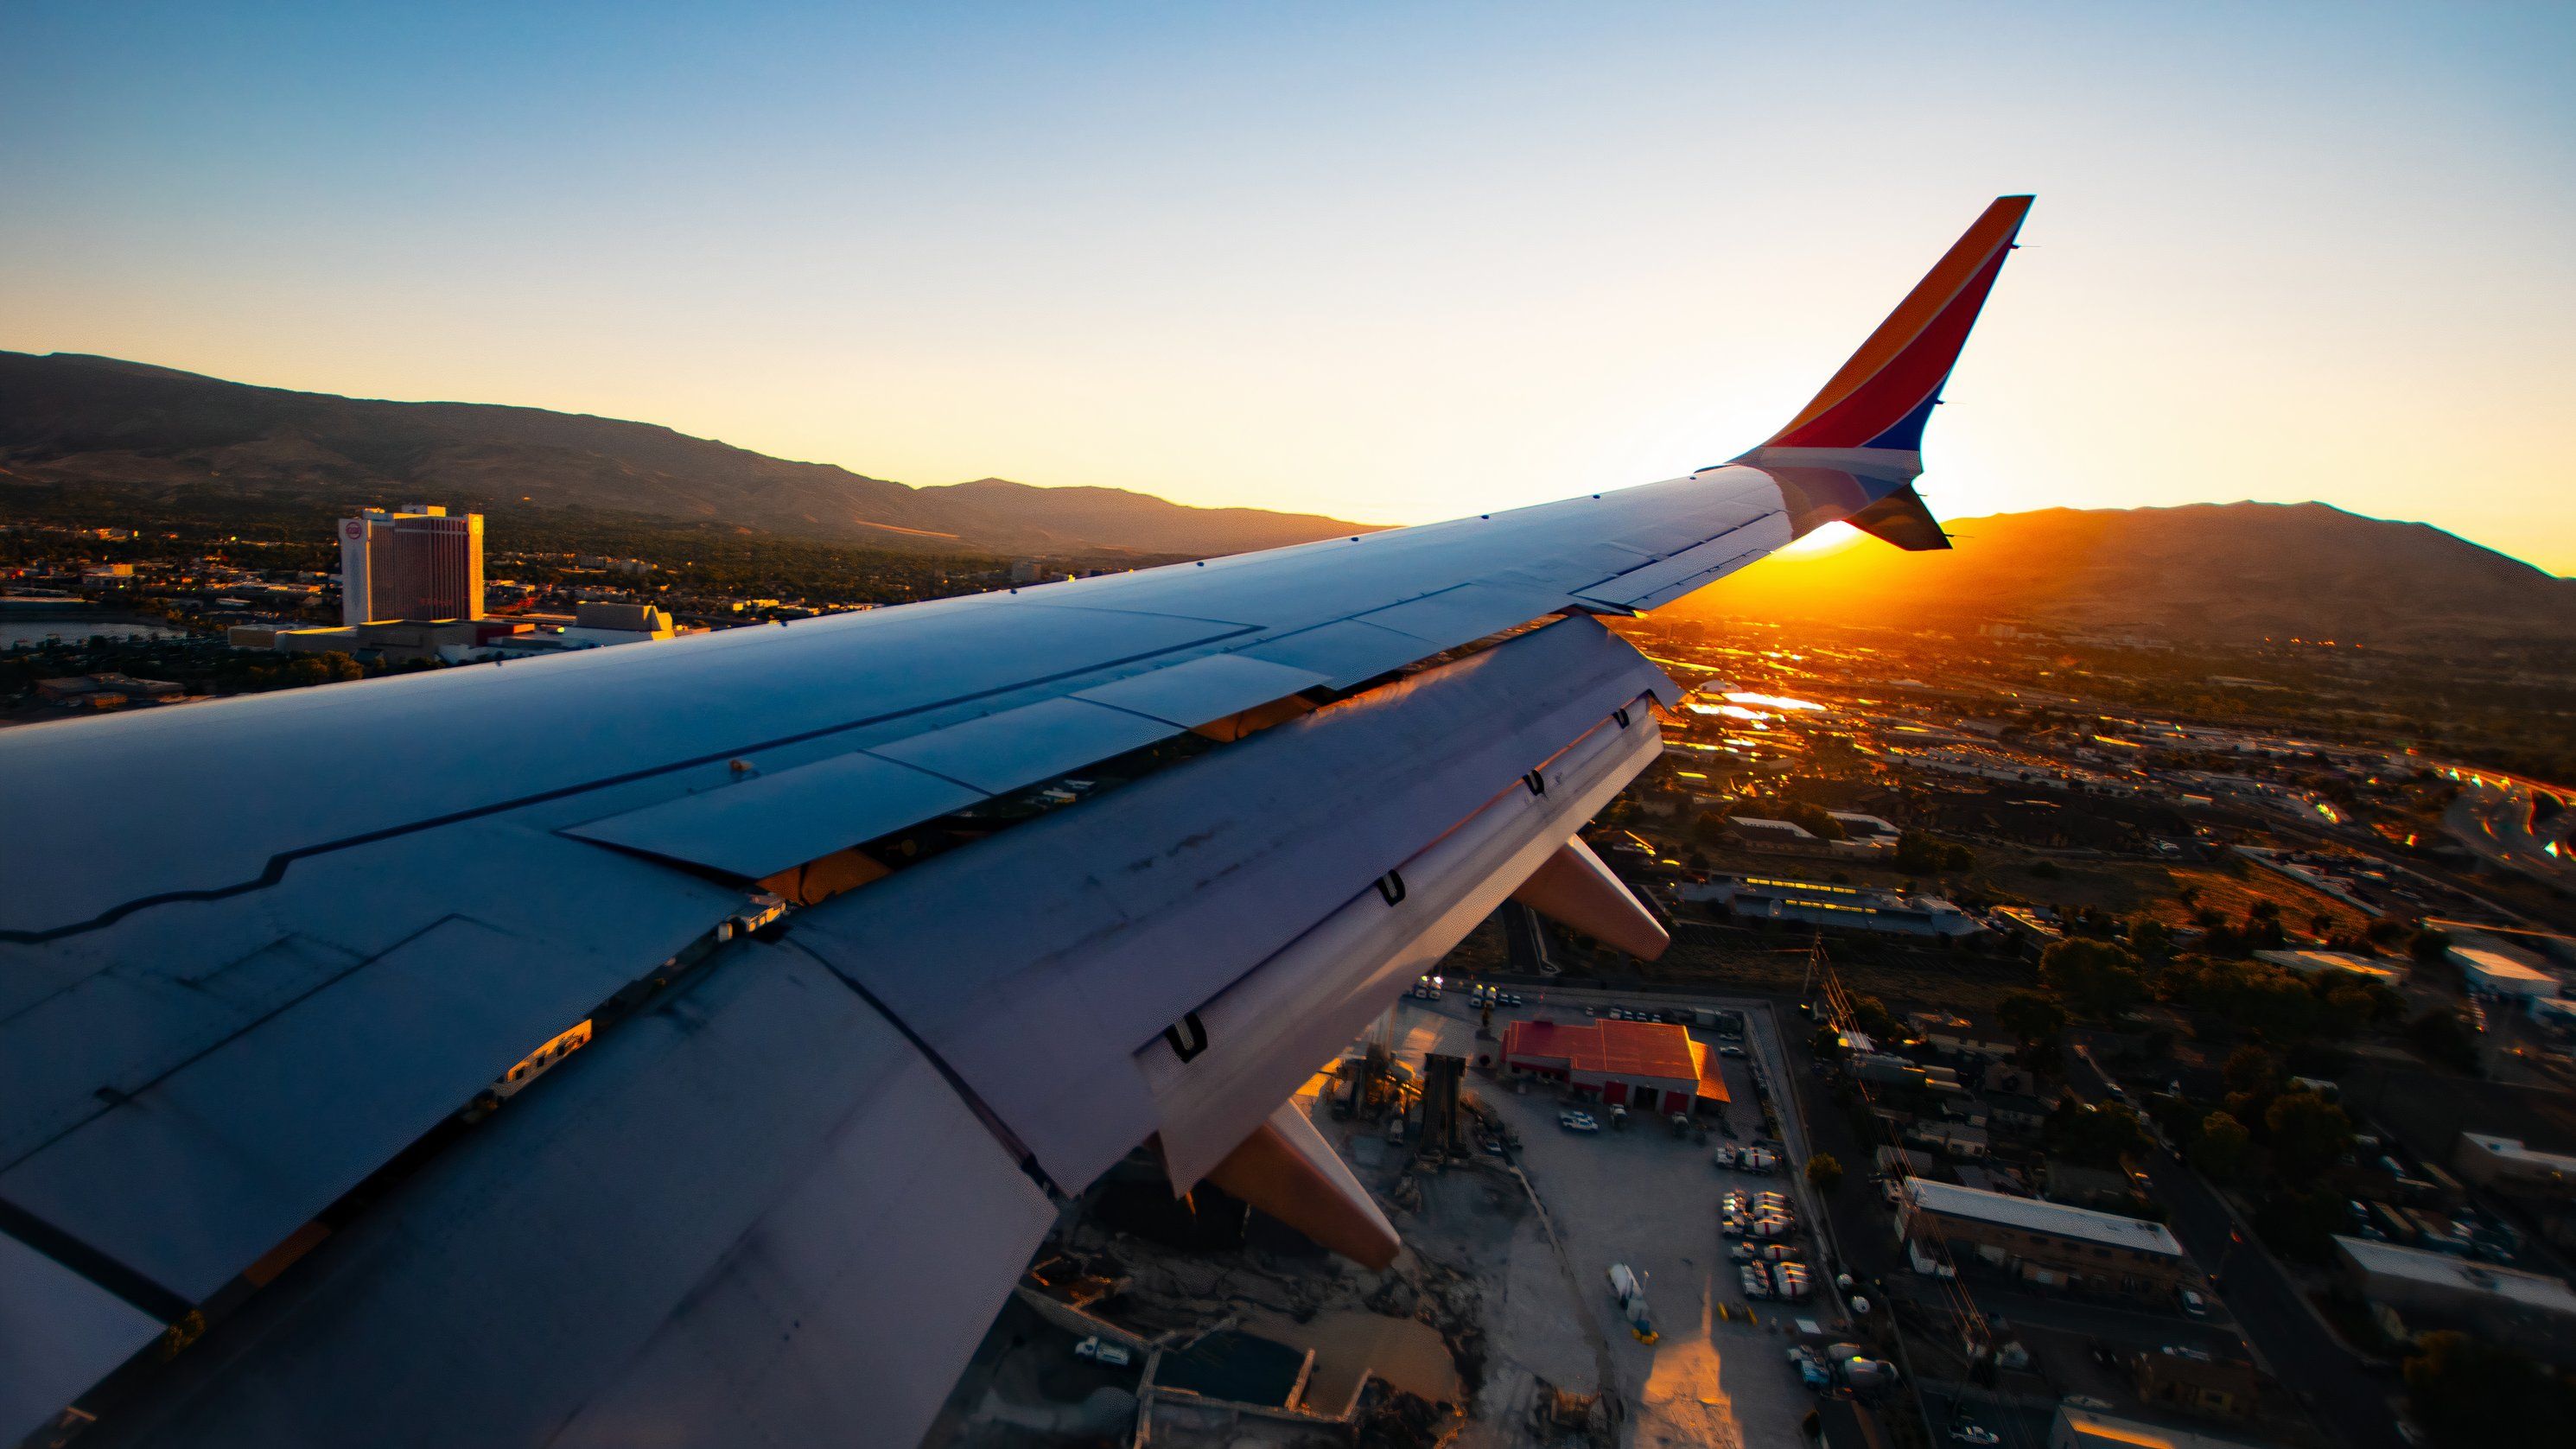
[2194, 1304]
[1729, 1049]
[1975, 1434]
[1101, 1350]
[1578, 1122]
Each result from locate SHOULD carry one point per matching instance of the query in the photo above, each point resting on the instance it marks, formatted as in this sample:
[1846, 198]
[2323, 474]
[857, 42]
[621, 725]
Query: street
[2347, 1399]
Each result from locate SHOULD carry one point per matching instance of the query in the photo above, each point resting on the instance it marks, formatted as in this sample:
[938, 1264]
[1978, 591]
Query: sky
[1390, 262]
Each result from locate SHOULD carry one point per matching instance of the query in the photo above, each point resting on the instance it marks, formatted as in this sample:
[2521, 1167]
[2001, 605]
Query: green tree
[2468, 1393]
[2224, 1148]
[2032, 1018]
[2308, 1134]
[1824, 1173]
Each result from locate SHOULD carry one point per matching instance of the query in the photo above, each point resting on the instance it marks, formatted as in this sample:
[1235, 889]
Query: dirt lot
[1648, 1199]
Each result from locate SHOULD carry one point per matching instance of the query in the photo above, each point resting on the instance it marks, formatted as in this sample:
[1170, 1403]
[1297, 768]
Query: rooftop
[2417, 1265]
[2315, 963]
[1630, 1049]
[2033, 1216]
[2499, 965]
[2511, 1147]
[2086, 1428]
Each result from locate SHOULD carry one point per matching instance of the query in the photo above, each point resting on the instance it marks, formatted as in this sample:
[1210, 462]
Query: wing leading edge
[240, 1038]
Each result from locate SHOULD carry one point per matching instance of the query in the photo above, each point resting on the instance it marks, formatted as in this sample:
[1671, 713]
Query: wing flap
[1204, 689]
[1037, 962]
[771, 822]
[1023, 746]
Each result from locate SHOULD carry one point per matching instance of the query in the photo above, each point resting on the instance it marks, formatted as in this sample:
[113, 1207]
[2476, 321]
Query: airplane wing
[863, 942]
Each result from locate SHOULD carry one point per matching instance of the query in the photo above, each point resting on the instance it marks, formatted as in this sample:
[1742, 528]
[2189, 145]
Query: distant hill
[147, 431]
[2206, 571]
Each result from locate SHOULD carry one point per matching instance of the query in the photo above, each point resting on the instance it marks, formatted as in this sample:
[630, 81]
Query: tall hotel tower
[418, 563]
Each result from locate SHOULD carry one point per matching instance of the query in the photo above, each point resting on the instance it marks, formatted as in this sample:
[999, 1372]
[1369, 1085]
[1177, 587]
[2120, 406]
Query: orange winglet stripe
[1946, 287]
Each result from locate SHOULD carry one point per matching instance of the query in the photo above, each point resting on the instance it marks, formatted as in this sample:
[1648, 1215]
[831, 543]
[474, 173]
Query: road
[2345, 1398]
[2493, 818]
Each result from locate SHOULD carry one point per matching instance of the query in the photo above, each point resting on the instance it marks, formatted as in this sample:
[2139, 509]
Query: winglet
[1853, 452]
[1881, 398]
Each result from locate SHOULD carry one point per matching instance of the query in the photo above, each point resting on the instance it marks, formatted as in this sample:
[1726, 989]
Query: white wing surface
[882, 934]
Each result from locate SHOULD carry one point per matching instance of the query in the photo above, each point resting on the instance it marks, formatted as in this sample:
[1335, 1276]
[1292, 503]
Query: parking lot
[1645, 1197]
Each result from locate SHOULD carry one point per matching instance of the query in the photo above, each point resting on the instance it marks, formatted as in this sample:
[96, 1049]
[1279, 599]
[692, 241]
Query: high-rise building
[417, 562]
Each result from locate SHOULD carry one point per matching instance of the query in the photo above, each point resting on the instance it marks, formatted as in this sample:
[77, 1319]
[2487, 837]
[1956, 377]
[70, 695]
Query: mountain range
[66, 418]
[2220, 572]
[2215, 572]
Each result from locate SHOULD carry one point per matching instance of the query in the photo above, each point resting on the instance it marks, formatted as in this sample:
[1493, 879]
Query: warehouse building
[2047, 1243]
[1753, 900]
[2503, 1162]
[2502, 971]
[2417, 1291]
[1645, 1065]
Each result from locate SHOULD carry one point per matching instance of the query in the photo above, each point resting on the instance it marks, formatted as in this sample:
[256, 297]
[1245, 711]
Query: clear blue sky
[1389, 262]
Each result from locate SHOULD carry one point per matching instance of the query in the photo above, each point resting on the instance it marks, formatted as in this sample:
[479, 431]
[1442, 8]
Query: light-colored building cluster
[1757, 899]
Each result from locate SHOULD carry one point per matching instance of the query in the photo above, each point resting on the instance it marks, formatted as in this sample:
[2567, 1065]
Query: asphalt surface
[2494, 820]
[2346, 1399]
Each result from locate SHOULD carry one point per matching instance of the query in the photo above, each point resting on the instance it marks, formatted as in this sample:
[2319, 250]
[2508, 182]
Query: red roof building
[1651, 1066]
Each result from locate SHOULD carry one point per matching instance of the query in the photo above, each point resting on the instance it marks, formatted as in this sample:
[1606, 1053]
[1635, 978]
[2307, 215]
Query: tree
[2224, 1147]
[1813, 819]
[1824, 1173]
[1958, 859]
[2097, 1134]
[2251, 1069]
[2095, 977]
[1918, 853]
[2032, 1018]
[2469, 1392]
[2308, 1134]
[2430, 948]
[2443, 1037]
[1710, 827]
[1872, 1016]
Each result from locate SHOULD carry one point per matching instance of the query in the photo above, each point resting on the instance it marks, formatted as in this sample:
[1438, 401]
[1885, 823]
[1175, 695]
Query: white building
[2505, 1162]
[2317, 963]
[2502, 971]
[2424, 1291]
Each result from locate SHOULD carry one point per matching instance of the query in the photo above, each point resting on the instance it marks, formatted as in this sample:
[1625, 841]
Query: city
[1987, 973]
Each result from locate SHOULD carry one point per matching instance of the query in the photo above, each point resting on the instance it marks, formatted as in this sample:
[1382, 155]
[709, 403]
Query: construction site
[1150, 1319]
